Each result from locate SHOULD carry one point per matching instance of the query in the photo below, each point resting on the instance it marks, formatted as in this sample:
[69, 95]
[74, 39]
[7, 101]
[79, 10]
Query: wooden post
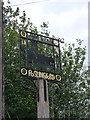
[1, 63]
[42, 104]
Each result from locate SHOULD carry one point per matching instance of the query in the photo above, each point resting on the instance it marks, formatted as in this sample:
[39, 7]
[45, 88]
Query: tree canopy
[68, 99]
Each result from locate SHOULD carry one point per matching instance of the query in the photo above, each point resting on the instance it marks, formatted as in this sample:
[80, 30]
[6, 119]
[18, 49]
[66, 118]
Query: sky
[67, 19]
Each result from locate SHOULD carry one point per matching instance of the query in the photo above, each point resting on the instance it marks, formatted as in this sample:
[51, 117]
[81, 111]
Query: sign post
[40, 60]
[43, 103]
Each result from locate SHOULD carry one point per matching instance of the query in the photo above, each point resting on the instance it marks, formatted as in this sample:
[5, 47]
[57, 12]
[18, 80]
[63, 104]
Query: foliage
[20, 100]
[69, 96]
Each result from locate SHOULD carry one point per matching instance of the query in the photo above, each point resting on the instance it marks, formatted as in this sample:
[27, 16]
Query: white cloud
[66, 21]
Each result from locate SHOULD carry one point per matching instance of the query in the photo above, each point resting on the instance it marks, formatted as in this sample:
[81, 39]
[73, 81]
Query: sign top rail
[39, 35]
[39, 38]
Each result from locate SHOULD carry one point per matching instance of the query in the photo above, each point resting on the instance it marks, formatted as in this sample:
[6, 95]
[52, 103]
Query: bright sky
[67, 19]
